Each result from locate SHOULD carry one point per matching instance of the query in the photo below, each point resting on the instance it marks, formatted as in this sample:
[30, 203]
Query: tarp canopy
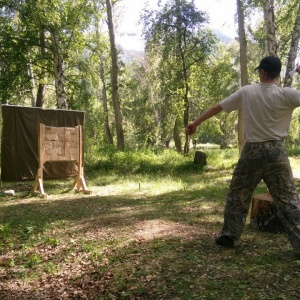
[19, 142]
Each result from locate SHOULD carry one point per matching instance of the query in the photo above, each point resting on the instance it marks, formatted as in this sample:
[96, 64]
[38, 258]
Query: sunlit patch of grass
[295, 163]
[136, 185]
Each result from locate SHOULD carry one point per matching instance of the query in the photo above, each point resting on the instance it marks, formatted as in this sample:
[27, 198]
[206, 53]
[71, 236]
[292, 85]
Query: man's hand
[190, 129]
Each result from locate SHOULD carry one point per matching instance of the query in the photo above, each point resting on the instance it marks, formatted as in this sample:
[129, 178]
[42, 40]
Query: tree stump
[200, 158]
[264, 214]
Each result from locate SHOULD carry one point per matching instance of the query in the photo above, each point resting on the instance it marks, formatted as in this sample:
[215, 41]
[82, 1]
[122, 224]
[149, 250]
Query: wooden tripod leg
[39, 176]
[39, 184]
[79, 183]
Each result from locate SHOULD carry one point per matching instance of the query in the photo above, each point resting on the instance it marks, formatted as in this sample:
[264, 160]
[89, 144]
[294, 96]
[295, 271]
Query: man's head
[271, 65]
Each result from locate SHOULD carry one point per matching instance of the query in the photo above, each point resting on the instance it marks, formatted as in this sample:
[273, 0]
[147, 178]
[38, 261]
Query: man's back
[267, 110]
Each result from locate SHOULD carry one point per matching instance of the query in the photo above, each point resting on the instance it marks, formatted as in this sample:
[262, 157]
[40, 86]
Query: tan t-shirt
[267, 110]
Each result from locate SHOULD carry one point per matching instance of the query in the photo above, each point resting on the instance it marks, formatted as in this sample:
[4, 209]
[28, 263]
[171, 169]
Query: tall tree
[175, 33]
[38, 29]
[59, 71]
[16, 53]
[294, 46]
[41, 92]
[101, 59]
[243, 66]
[108, 133]
[115, 77]
[269, 17]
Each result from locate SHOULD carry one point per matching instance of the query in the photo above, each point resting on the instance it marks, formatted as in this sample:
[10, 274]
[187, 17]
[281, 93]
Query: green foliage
[16, 43]
[158, 160]
[5, 231]
[33, 261]
[294, 151]
[185, 69]
[293, 138]
[218, 80]
[26, 58]
[176, 43]
[143, 161]
[286, 12]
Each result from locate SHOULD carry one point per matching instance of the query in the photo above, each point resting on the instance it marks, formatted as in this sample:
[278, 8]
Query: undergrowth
[161, 161]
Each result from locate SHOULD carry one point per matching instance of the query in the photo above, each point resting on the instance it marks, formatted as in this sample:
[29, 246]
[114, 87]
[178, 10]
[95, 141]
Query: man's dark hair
[271, 65]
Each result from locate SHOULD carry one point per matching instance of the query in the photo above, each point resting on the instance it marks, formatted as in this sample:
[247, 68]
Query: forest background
[64, 55]
[147, 231]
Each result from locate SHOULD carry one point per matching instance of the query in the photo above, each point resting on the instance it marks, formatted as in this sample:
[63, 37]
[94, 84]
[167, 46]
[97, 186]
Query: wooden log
[264, 214]
[200, 158]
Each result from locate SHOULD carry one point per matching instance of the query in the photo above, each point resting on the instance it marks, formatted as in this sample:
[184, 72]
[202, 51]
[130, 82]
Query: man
[267, 111]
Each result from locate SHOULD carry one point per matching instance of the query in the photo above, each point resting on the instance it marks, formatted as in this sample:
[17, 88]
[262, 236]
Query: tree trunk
[182, 46]
[156, 115]
[177, 139]
[40, 97]
[32, 83]
[108, 134]
[186, 106]
[269, 16]
[115, 77]
[61, 95]
[243, 66]
[288, 80]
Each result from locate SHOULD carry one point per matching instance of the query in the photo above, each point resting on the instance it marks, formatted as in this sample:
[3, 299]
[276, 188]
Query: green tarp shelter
[19, 142]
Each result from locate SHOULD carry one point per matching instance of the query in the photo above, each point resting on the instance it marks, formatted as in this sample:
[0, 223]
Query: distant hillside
[222, 37]
[128, 56]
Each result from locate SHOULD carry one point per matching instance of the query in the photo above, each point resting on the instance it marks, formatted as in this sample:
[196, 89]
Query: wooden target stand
[60, 144]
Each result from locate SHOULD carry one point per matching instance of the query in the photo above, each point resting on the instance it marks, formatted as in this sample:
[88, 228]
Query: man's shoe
[225, 241]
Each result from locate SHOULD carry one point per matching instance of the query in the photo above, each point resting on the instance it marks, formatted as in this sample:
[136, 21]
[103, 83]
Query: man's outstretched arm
[191, 128]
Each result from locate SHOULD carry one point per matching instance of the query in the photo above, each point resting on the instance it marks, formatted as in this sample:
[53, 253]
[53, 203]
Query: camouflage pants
[267, 161]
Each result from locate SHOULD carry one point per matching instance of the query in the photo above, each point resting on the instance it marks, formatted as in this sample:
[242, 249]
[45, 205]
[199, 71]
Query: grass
[146, 232]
